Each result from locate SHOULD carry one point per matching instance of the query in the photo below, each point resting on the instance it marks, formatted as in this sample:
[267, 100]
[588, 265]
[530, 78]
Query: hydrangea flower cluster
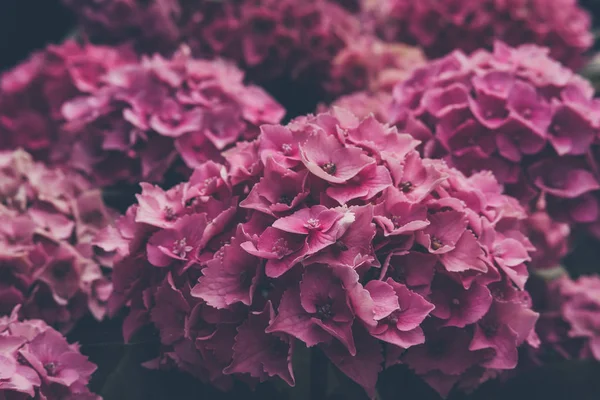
[517, 112]
[363, 104]
[267, 38]
[372, 65]
[47, 261]
[37, 362]
[550, 238]
[441, 27]
[145, 118]
[335, 232]
[369, 69]
[569, 325]
[32, 94]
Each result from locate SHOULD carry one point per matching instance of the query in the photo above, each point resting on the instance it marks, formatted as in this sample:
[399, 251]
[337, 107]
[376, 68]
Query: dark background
[26, 25]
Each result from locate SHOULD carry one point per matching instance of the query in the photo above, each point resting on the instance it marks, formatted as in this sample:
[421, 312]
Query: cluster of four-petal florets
[335, 232]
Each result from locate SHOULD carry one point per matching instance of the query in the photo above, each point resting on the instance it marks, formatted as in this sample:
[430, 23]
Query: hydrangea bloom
[277, 42]
[363, 104]
[441, 27]
[372, 65]
[369, 69]
[146, 118]
[37, 362]
[550, 239]
[47, 261]
[517, 112]
[335, 232]
[32, 94]
[569, 325]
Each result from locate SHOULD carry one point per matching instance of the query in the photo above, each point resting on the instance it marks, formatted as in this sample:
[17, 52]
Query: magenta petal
[355, 243]
[412, 306]
[496, 83]
[414, 269]
[366, 184]
[156, 256]
[8, 367]
[504, 345]
[467, 255]
[444, 231]
[571, 132]
[511, 251]
[360, 299]
[440, 101]
[261, 354]
[529, 108]
[326, 158]
[460, 307]
[563, 177]
[293, 320]
[490, 111]
[384, 297]
[381, 140]
[230, 277]
[169, 314]
[321, 225]
[364, 367]
[401, 338]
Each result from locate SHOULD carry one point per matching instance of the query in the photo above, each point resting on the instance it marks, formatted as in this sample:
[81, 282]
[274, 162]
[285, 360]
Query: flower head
[569, 324]
[563, 26]
[148, 117]
[338, 235]
[37, 361]
[31, 94]
[48, 262]
[516, 112]
[362, 104]
[286, 46]
[372, 65]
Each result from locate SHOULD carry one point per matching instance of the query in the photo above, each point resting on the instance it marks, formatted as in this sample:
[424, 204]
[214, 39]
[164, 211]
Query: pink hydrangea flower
[514, 111]
[147, 118]
[335, 232]
[362, 104]
[569, 324]
[285, 46]
[37, 362]
[562, 25]
[32, 93]
[550, 239]
[372, 65]
[49, 263]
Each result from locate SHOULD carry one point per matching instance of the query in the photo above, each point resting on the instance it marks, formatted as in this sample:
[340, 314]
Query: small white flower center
[312, 223]
[181, 249]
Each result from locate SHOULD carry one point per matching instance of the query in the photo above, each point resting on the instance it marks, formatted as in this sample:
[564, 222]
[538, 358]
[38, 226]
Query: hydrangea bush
[364, 74]
[443, 26]
[48, 264]
[551, 239]
[363, 104]
[282, 44]
[37, 362]
[569, 320]
[161, 114]
[31, 94]
[514, 111]
[334, 232]
[371, 65]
